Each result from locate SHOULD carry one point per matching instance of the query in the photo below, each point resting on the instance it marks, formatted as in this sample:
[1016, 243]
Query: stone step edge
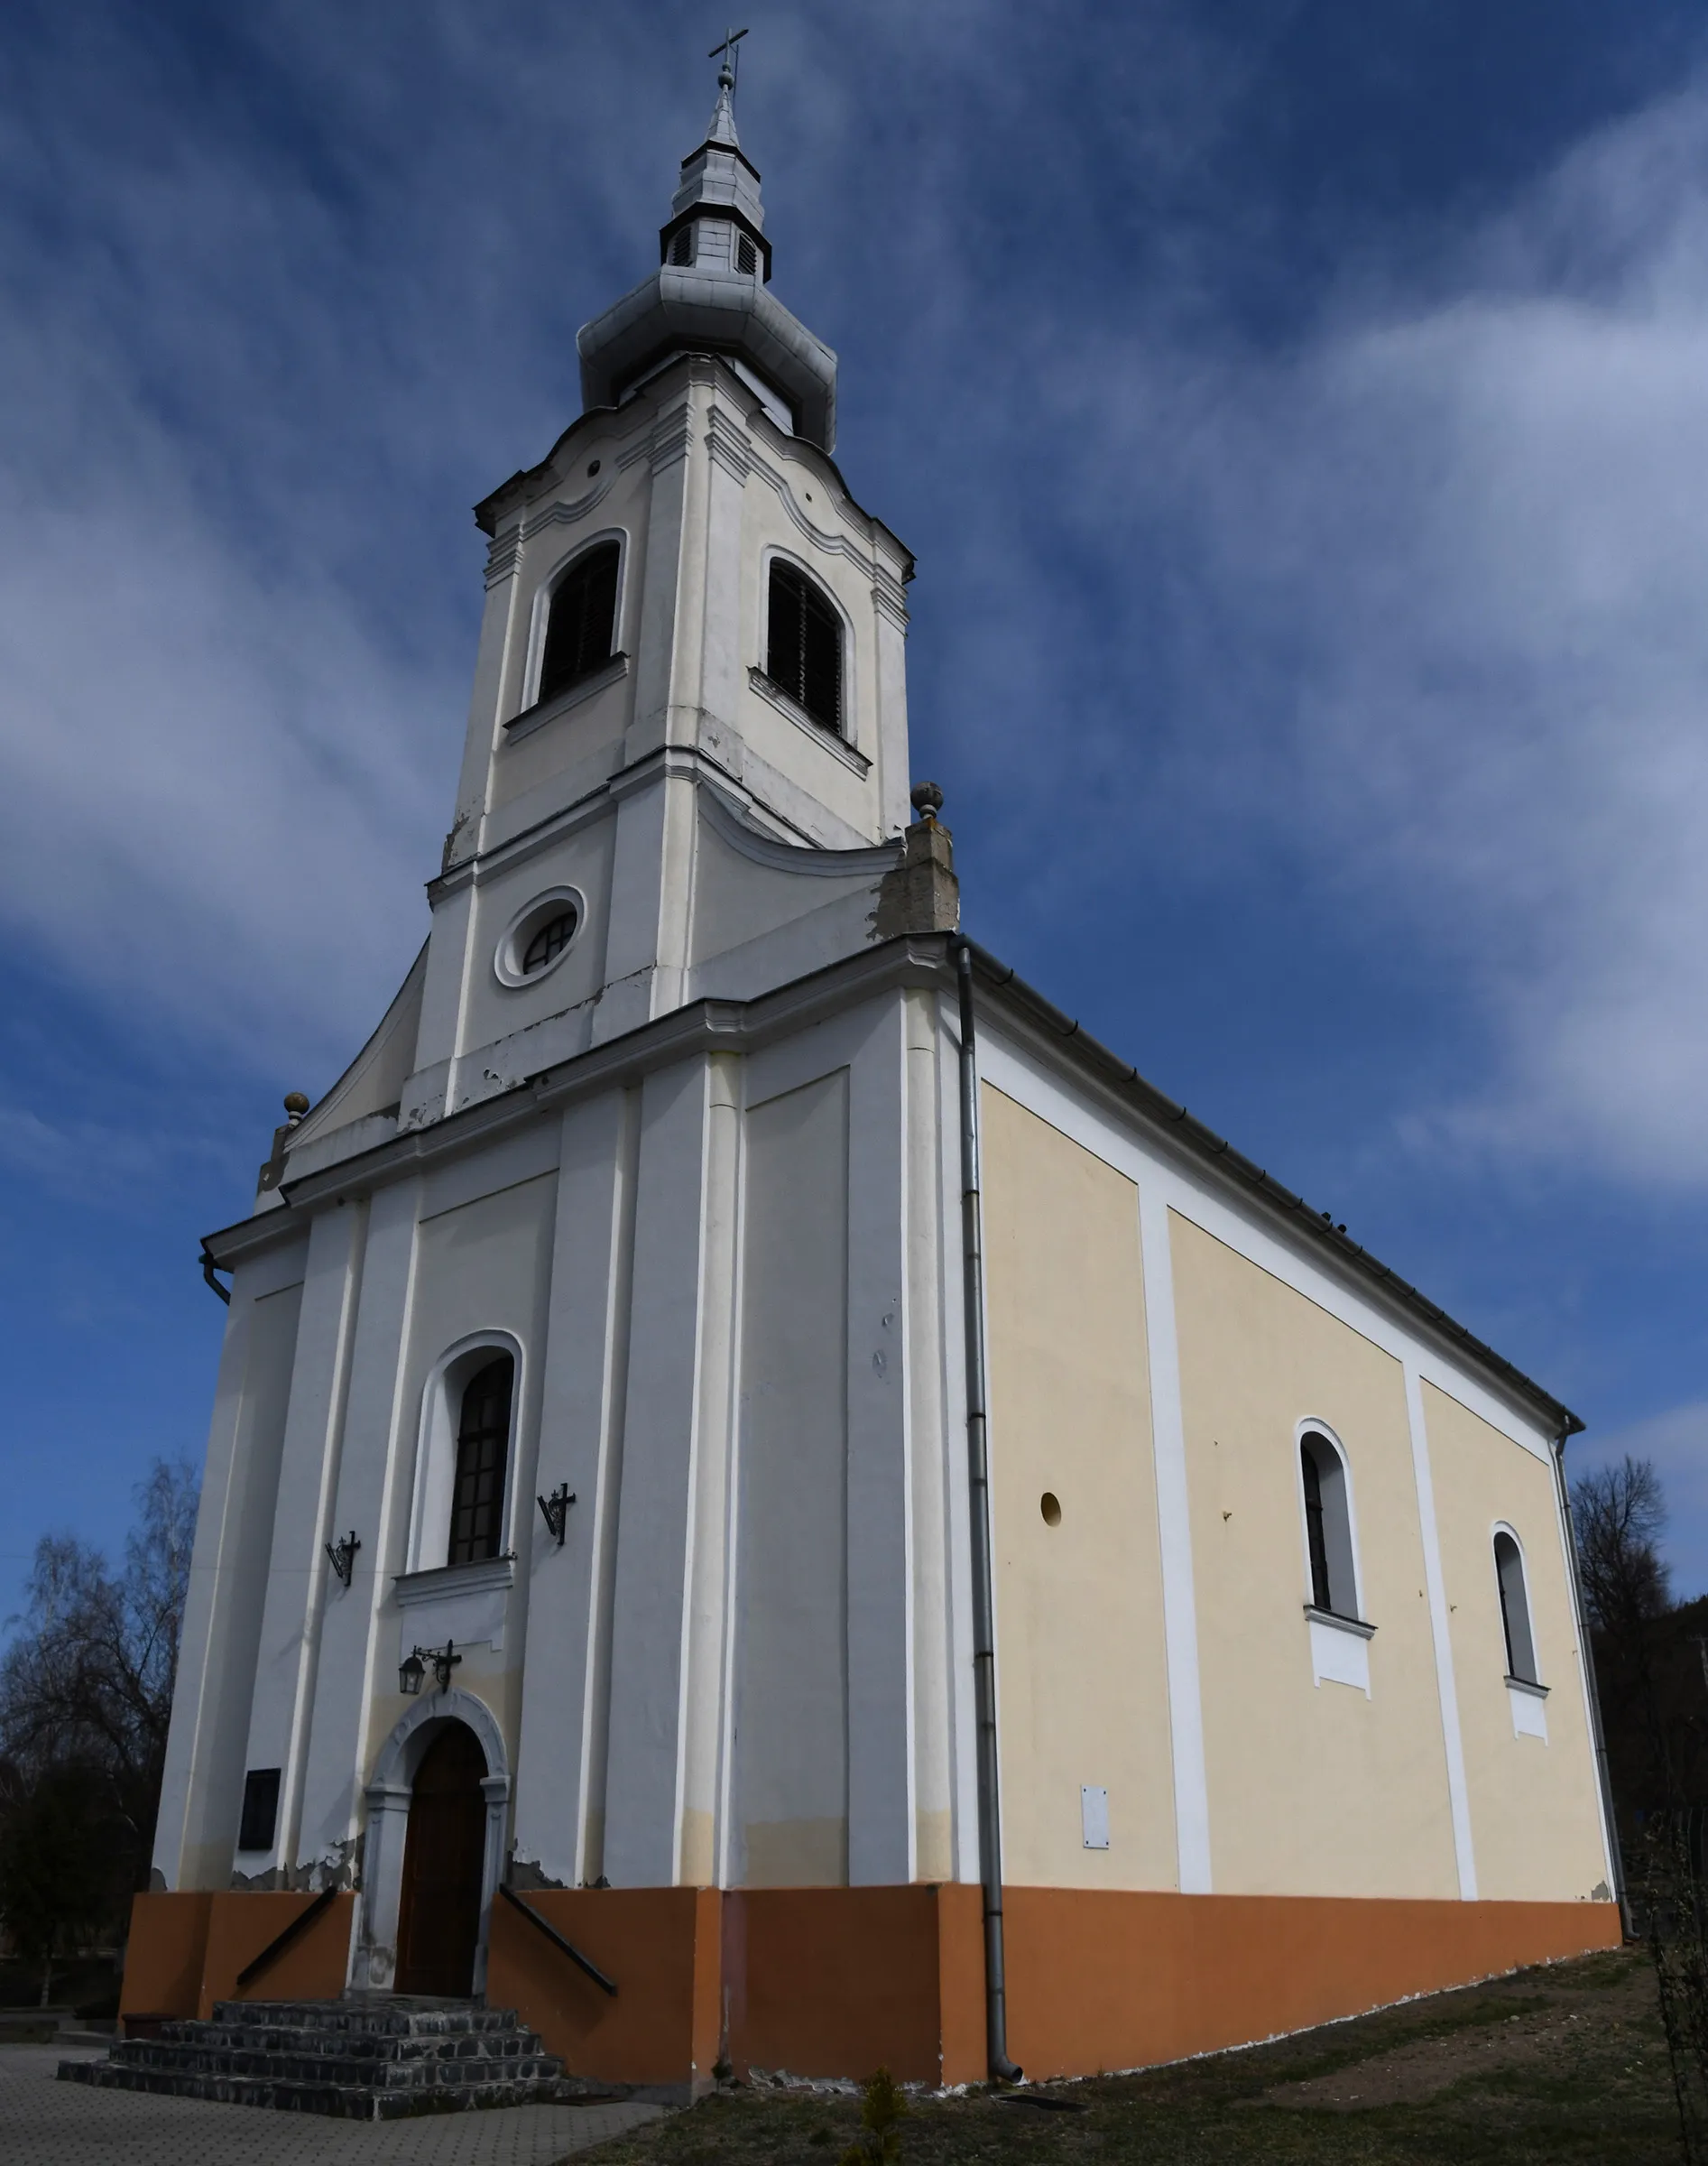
[351, 2103]
[361, 2075]
[359, 2016]
[406, 2052]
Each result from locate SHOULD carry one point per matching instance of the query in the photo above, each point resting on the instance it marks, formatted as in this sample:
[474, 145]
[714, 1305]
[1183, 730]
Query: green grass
[1554, 2067]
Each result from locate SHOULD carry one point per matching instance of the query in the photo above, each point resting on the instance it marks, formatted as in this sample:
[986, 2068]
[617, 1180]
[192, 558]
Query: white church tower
[596, 1572]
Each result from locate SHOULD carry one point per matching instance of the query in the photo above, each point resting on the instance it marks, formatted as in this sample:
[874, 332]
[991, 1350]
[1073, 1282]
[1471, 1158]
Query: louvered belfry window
[803, 652]
[483, 1453]
[582, 625]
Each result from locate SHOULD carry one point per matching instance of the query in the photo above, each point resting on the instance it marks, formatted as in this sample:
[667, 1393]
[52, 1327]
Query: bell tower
[686, 758]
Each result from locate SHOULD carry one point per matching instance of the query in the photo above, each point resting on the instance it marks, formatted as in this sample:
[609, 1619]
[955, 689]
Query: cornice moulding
[794, 858]
[701, 1026]
[410, 1590]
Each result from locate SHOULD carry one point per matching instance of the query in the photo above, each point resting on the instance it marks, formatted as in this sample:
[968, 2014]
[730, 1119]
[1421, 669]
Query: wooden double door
[444, 1853]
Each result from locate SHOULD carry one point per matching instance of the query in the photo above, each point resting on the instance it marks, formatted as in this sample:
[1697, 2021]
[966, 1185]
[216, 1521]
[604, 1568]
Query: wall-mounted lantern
[343, 1556]
[413, 1668]
[556, 1508]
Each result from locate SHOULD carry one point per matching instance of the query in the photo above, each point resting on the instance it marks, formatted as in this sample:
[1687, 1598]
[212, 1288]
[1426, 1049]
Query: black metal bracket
[556, 1508]
[209, 1267]
[568, 1947]
[343, 1556]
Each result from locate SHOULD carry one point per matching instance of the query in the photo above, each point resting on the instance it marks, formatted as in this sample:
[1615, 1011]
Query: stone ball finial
[927, 800]
[296, 1105]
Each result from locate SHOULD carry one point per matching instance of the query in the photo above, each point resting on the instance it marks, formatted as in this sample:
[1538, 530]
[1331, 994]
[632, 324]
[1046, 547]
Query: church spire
[709, 292]
[718, 177]
[723, 127]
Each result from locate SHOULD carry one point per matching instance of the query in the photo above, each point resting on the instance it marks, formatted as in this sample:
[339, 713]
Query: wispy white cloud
[1419, 602]
[264, 362]
[90, 1161]
[1409, 595]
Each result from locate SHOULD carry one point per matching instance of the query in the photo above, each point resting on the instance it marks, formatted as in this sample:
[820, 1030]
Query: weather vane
[732, 58]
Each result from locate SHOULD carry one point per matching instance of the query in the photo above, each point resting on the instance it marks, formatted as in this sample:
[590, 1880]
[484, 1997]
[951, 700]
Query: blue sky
[1299, 413]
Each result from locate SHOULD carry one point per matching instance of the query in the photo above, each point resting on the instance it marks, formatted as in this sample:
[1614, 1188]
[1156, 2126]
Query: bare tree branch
[1620, 1515]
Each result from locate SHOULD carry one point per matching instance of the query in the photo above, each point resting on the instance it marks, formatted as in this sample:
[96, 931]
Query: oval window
[548, 943]
[539, 938]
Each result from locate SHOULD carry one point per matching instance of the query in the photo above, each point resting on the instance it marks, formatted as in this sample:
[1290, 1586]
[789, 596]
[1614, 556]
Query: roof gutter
[1002, 2070]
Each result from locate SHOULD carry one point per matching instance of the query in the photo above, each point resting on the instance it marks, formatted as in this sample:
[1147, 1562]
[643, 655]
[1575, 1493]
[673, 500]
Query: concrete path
[45, 2123]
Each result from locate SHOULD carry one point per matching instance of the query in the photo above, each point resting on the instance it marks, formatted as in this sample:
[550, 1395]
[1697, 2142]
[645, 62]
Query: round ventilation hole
[1050, 1506]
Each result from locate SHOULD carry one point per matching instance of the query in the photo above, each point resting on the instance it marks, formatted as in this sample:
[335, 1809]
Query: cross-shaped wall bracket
[556, 1508]
[343, 1556]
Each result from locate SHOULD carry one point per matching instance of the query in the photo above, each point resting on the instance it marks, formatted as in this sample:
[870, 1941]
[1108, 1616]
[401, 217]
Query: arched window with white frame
[804, 644]
[1325, 1495]
[483, 1463]
[1515, 1608]
[462, 1503]
[581, 620]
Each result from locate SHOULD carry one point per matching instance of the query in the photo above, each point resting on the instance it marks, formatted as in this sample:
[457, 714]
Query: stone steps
[359, 2058]
[375, 2015]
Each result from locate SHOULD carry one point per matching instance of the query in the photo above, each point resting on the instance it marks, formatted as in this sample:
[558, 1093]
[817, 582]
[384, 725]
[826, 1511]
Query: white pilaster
[561, 1745]
[880, 1806]
[652, 1561]
[244, 1500]
[190, 1702]
[1446, 1689]
[298, 1569]
[367, 1499]
[1180, 1600]
[705, 1649]
[929, 1442]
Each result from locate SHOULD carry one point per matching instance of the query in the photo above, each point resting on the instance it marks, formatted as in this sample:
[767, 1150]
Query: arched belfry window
[1515, 1608]
[483, 1458]
[581, 626]
[803, 645]
[1328, 1526]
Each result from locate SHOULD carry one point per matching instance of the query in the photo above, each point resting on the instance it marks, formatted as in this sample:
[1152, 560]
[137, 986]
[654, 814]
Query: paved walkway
[44, 2122]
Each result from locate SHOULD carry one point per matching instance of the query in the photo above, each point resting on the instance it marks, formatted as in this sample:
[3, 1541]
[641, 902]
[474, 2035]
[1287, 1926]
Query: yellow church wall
[1535, 1816]
[1083, 1685]
[1313, 1789]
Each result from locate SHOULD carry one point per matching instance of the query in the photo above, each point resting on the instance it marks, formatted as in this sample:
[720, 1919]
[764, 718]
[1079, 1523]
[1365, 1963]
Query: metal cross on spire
[732, 58]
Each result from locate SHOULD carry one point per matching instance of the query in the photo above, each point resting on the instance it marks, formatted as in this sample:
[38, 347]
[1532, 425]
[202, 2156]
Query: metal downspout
[1602, 1768]
[1002, 2067]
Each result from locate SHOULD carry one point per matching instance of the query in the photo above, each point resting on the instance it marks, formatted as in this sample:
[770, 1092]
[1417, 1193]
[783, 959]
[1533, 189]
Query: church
[771, 1505]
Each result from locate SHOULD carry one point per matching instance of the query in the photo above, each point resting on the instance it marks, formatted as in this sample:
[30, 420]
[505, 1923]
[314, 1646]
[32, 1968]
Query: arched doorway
[438, 1912]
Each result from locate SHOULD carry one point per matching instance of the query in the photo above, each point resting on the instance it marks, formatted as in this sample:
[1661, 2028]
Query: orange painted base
[1124, 1980]
[816, 1981]
[835, 1981]
[185, 1952]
